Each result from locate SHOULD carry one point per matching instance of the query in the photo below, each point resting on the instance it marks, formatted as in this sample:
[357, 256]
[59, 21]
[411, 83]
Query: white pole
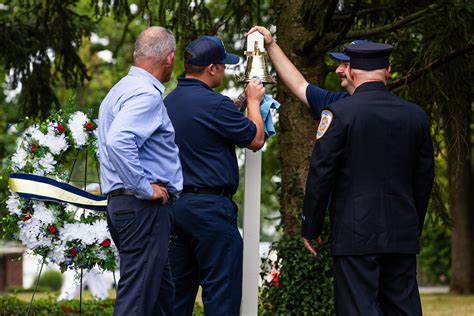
[251, 268]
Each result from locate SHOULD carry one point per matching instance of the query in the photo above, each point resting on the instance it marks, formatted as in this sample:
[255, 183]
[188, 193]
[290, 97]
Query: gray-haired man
[141, 175]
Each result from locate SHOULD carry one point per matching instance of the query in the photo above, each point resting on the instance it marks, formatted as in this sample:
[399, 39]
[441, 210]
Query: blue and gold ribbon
[31, 186]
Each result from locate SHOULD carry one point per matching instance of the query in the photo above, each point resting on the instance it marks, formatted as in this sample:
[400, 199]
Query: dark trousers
[206, 249]
[140, 229]
[382, 284]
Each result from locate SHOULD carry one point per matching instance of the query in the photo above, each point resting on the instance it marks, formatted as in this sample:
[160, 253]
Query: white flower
[13, 204]
[76, 125]
[47, 164]
[12, 129]
[38, 135]
[58, 252]
[32, 234]
[42, 213]
[19, 159]
[88, 234]
[55, 143]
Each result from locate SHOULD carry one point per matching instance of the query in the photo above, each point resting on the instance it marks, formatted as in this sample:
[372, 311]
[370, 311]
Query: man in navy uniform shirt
[206, 248]
[374, 160]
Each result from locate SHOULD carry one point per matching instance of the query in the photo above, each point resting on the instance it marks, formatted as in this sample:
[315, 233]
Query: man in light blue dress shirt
[141, 175]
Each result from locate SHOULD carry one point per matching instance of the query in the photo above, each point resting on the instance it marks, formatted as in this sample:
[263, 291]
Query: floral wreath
[61, 233]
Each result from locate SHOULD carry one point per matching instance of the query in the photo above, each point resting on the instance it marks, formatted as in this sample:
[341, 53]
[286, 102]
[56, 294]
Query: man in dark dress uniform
[373, 162]
[206, 248]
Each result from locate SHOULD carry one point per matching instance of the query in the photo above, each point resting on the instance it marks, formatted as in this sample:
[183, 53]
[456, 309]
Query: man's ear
[170, 59]
[211, 69]
[387, 72]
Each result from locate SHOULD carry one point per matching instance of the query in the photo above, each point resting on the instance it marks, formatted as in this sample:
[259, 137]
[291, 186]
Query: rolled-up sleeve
[137, 120]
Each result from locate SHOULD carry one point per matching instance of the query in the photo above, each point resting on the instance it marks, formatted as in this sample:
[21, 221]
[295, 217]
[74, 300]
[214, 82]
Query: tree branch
[342, 34]
[409, 78]
[320, 33]
[122, 39]
[412, 18]
[363, 12]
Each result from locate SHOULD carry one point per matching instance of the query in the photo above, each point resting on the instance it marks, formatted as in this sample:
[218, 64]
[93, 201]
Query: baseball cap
[341, 56]
[369, 56]
[207, 50]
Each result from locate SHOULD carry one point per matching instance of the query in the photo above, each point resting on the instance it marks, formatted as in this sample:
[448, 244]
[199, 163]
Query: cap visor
[230, 59]
[339, 57]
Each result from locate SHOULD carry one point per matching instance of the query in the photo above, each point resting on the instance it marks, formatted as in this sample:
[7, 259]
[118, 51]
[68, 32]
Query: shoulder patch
[326, 120]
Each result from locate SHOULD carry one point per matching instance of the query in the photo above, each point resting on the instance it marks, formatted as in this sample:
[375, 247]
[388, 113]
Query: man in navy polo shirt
[206, 247]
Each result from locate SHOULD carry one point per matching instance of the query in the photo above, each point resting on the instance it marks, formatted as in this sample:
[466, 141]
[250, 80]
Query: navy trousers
[140, 229]
[206, 249]
[375, 285]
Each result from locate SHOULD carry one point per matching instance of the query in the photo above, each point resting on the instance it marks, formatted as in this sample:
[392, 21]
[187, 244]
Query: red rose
[26, 217]
[60, 128]
[275, 278]
[34, 148]
[51, 229]
[89, 125]
[73, 251]
[106, 243]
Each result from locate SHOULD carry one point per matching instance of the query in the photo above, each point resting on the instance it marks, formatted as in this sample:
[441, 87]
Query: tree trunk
[297, 126]
[460, 199]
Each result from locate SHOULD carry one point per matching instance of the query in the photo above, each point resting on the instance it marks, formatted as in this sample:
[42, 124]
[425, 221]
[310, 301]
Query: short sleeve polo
[319, 98]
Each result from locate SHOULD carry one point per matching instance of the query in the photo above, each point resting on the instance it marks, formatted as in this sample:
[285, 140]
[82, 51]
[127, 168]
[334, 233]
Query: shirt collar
[192, 82]
[140, 72]
[371, 85]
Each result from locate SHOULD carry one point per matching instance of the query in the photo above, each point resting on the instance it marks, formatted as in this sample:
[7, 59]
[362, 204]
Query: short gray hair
[155, 42]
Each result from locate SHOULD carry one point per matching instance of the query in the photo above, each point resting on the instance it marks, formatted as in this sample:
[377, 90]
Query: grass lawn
[447, 305]
[433, 304]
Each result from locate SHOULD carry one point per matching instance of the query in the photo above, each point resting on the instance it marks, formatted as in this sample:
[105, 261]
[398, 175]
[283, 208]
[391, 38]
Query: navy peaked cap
[369, 56]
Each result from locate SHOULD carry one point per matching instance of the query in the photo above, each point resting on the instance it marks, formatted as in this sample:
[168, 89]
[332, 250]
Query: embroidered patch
[326, 119]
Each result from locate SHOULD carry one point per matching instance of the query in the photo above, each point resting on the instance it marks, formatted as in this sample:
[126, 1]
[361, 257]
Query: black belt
[216, 191]
[119, 192]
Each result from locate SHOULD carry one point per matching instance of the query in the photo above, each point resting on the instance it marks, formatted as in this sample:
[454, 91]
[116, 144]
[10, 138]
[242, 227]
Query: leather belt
[119, 192]
[215, 191]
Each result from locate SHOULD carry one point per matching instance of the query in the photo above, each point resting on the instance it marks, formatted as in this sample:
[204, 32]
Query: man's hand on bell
[255, 91]
[268, 38]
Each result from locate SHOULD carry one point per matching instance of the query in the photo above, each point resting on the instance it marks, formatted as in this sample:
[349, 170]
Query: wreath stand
[84, 181]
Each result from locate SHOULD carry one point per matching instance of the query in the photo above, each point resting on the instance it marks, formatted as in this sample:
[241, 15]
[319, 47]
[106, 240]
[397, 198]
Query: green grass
[447, 305]
[433, 304]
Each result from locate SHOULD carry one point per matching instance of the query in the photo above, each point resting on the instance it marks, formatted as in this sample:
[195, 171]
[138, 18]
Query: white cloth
[94, 280]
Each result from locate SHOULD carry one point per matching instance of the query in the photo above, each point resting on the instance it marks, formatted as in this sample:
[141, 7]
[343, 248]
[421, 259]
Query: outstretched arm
[287, 72]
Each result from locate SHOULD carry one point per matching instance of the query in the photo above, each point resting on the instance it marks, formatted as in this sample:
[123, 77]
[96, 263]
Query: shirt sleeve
[319, 98]
[233, 125]
[325, 158]
[137, 120]
[423, 176]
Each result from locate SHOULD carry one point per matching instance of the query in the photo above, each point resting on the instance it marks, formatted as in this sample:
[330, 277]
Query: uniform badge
[326, 119]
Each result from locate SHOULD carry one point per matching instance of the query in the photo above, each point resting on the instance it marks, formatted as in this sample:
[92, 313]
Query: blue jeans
[140, 229]
[206, 249]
